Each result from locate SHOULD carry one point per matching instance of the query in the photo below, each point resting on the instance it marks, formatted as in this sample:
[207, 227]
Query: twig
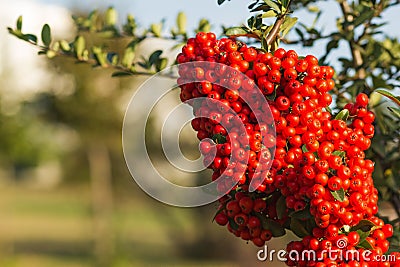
[275, 30]
[356, 53]
[273, 34]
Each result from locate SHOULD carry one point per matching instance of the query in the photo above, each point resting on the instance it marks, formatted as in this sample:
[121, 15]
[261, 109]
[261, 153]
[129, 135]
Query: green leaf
[204, 26]
[299, 33]
[304, 148]
[219, 138]
[272, 4]
[285, 3]
[395, 111]
[363, 17]
[389, 95]
[121, 74]
[363, 241]
[233, 225]
[276, 229]
[85, 55]
[236, 31]
[281, 207]
[79, 46]
[339, 153]
[365, 244]
[128, 57]
[30, 38]
[328, 109]
[301, 214]
[111, 17]
[331, 45]
[46, 35]
[269, 14]
[19, 23]
[364, 226]
[218, 212]
[155, 56]
[363, 234]
[374, 98]
[342, 115]
[51, 54]
[100, 56]
[156, 29]
[181, 21]
[56, 46]
[271, 96]
[113, 58]
[220, 2]
[161, 64]
[313, 9]
[339, 194]
[251, 21]
[298, 228]
[65, 46]
[267, 223]
[287, 25]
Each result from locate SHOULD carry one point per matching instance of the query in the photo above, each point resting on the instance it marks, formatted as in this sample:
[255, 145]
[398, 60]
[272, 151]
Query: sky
[231, 13]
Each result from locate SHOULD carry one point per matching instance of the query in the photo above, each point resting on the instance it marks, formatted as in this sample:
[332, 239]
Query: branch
[356, 53]
[94, 62]
[272, 35]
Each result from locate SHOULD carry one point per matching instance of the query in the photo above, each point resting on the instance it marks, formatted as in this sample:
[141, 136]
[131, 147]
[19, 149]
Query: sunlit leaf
[394, 98]
[288, 24]
[19, 23]
[111, 17]
[236, 31]
[181, 21]
[339, 195]
[342, 115]
[269, 14]
[79, 46]
[272, 4]
[395, 111]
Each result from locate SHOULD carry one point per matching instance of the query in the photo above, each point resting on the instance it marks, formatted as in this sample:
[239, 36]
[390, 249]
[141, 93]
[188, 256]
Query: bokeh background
[66, 196]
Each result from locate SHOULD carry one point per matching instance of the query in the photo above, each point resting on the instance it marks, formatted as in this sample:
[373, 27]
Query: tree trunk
[102, 203]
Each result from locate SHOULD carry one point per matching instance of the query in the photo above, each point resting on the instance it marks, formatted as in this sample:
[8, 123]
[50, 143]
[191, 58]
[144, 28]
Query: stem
[273, 34]
[93, 62]
[102, 202]
[356, 53]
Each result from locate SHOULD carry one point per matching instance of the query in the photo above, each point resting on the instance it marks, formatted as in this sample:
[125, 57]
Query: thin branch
[356, 53]
[272, 35]
[94, 63]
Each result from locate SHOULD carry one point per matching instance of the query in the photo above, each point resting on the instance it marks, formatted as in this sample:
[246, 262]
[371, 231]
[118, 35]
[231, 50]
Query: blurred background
[66, 196]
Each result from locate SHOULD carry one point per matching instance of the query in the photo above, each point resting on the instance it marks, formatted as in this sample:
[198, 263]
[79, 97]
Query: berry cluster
[308, 167]
[363, 245]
